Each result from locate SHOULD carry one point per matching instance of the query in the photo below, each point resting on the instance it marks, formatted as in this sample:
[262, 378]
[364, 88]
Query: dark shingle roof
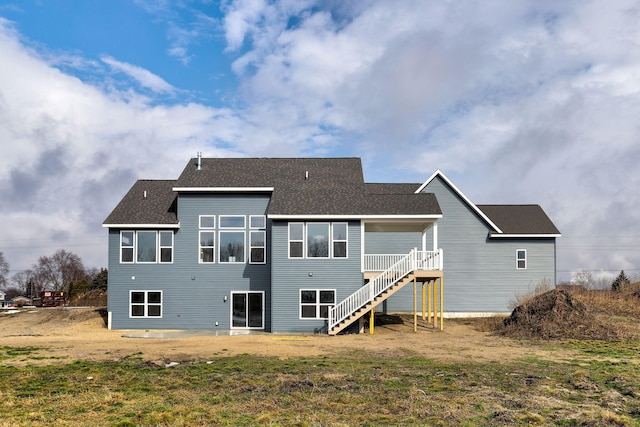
[159, 206]
[384, 188]
[301, 186]
[308, 186]
[520, 219]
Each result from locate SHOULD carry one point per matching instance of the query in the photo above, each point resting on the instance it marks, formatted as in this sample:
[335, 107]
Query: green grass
[351, 389]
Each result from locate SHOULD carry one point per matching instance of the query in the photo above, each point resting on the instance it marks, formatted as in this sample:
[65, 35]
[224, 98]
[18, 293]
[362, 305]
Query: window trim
[305, 238]
[146, 304]
[317, 304]
[263, 247]
[200, 247]
[518, 259]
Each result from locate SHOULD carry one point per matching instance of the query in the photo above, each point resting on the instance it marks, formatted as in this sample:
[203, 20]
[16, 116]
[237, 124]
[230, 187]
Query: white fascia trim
[154, 226]
[520, 236]
[371, 217]
[223, 189]
[461, 194]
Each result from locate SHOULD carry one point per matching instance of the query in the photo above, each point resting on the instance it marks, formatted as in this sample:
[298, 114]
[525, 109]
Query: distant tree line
[62, 271]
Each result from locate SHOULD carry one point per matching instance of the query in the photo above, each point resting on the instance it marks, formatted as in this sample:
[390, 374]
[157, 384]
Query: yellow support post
[429, 299]
[435, 304]
[442, 303]
[372, 321]
[415, 305]
[424, 301]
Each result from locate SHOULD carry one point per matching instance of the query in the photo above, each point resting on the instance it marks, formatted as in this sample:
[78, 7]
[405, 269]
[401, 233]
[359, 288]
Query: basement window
[315, 303]
[145, 304]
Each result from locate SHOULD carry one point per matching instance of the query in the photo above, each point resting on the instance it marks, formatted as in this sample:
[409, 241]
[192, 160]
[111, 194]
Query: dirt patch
[92, 298]
[67, 335]
[556, 315]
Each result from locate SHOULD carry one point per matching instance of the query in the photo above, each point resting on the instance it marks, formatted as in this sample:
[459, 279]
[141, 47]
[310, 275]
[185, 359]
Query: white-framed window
[231, 247]
[166, 247]
[146, 246]
[207, 221]
[127, 246]
[257, 247]
[318, 240]
[339, 239]
[207, 247]
[296, 240]
[145, 303]
[521, 259]
[232, 221]
[258, 221]
[315, 303]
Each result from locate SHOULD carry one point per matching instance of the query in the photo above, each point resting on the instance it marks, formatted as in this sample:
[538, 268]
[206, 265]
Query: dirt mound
[555, 315]
[92, 298]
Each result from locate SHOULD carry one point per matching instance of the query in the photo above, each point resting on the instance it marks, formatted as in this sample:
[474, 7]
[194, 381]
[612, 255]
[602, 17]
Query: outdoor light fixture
[225, 298]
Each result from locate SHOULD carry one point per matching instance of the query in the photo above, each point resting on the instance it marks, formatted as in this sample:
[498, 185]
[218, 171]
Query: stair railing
[371, 290]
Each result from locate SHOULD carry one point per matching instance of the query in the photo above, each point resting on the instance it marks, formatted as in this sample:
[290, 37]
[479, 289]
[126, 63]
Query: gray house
[305, 244]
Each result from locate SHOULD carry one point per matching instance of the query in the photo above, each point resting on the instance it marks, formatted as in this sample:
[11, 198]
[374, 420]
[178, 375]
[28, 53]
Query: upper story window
[339, 235]
[146, 247]
[257, 221]
[521, 259]
[318, 240]
[207, 221]
[232, 221]
[207, 246]
[296, 240]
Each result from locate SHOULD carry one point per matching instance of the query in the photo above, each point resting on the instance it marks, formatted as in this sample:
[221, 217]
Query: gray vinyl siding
[193, 293]
[289, 276]
[391, 242]
[480, 274]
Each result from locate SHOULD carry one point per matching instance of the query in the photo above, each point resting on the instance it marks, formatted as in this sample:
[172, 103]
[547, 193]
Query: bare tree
[59, 270]
[4, 270]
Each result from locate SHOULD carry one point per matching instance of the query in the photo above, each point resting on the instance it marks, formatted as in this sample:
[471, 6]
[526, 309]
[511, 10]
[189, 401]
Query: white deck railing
[427, 260]
[404, 264]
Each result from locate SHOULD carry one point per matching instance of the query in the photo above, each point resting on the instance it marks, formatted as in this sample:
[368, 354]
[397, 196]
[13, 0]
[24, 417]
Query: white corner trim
[462, 196]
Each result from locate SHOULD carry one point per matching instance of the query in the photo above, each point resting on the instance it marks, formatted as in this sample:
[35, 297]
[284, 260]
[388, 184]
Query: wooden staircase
[378, 289]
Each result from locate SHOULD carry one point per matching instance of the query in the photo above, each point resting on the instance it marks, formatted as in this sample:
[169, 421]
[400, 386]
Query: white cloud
[144, 77]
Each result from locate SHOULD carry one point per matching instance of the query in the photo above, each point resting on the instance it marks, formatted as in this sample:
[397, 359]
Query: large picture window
[146, 246]
[231, 246]
[145, 303]
[315, 303]
[317, 240]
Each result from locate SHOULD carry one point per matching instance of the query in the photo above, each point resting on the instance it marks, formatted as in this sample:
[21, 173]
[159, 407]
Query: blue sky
[517, 102]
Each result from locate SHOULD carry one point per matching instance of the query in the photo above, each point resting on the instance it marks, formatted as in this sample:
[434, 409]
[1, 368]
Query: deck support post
[429, 299]
[372, 321]
[435, 304]
[415, 305]
[424, 301]
[442, 303]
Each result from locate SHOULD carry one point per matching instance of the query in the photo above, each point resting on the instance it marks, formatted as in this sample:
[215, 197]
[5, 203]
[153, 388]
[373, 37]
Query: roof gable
[467, 201]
